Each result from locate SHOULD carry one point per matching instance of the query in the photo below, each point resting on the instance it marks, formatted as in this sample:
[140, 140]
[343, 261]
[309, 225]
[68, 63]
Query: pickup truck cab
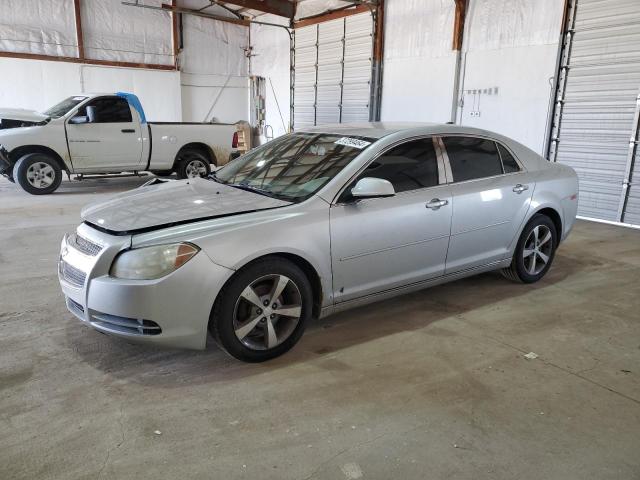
[99, 134]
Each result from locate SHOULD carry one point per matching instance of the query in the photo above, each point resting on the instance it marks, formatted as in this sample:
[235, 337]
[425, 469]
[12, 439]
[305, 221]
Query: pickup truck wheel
[38, 173]
[193, 163]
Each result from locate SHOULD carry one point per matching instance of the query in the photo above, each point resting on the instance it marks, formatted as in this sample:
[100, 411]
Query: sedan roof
[382, 129]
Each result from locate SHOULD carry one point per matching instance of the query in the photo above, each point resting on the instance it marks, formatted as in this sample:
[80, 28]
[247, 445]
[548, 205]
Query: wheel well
[308, 270]
[17, 153]
[555, 218]
[202, 147]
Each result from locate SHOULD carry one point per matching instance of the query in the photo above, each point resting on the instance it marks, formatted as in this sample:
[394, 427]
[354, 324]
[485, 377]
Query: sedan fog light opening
[149, 263]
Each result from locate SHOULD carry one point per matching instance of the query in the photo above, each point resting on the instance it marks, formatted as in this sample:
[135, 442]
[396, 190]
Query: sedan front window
[293, 167]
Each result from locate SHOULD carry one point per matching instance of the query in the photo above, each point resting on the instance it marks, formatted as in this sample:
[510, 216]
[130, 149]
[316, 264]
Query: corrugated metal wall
[596, 114]
[333, 71]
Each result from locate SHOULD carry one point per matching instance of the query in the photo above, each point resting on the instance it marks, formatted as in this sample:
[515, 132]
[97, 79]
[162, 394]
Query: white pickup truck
[98, 134]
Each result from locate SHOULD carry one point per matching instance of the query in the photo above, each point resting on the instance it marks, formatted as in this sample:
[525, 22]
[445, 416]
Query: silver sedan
[309, 224]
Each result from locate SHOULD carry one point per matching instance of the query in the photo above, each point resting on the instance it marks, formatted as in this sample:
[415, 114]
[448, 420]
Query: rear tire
[259, 330]
[534, 252]
[192, 163]
[38, 173]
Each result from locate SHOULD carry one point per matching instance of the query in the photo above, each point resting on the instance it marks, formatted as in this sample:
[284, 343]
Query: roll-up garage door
[595, 123]
[332, 80]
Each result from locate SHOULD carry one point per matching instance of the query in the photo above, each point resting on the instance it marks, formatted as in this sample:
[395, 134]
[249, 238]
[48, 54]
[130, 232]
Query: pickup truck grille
[71, 274]
[83, 245]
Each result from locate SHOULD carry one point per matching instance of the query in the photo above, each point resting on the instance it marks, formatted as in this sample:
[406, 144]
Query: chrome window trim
[334, 201]
[445, 156]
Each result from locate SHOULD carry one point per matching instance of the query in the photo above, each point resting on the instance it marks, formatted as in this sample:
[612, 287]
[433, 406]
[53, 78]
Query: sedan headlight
[149, 263]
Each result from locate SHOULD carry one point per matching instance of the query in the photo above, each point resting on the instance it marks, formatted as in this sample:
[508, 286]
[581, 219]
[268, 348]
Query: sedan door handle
[519, 188]
[128, 130]
[436, 203]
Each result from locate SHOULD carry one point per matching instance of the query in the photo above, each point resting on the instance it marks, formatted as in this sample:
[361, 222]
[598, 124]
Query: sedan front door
[491, 197]
[378, 244]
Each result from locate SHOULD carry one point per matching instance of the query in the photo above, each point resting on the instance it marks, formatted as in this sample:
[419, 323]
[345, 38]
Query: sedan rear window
[472, 158]
[508, 162]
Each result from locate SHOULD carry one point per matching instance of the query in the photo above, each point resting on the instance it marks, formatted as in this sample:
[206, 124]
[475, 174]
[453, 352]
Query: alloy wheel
[267, 312]
[195, 168]
[41, 175]
[537, 249]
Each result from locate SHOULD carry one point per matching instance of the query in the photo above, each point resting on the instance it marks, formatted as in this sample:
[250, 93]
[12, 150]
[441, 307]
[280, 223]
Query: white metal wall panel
[306, 57]
[632, 207]
[599, 101]
[358, 54]
[333, 71]
[330, 55]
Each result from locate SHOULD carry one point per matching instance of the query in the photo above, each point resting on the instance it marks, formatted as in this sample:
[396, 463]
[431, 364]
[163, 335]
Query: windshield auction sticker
[353, 142]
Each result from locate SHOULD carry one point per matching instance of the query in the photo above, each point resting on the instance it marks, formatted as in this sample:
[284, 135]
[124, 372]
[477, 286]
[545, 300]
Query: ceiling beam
[332, 15]
[78, 20]
[282, 8]
[458, 25]
[88, 61]
[189, 11]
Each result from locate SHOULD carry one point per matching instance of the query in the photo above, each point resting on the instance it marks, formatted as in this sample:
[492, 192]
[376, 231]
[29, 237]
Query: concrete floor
[429, 385]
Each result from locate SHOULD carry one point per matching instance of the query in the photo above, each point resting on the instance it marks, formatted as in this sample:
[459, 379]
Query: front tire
[38, 173]
[534, 252]
[192, 163]
[263, 310]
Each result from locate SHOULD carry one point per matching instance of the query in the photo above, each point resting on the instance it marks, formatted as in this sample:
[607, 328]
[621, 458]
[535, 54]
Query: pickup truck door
[112, 143]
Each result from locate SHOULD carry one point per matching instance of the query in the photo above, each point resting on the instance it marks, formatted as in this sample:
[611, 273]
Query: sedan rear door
[378, 244]
[491, 196]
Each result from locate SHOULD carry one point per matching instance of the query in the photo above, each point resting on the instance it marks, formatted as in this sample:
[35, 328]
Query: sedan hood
[173, 203]
[22, 115]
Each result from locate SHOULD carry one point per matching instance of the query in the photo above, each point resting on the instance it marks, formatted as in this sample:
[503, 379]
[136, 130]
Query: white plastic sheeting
[509, 61]
[45, 27]
[271, 60]
[494, 24]
[214, 68]
[419, 65]
[307, 8]
[37, 85]
[117, 32]
[214, 47]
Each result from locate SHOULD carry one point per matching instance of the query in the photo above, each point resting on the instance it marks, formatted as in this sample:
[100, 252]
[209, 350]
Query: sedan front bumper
[172, 311]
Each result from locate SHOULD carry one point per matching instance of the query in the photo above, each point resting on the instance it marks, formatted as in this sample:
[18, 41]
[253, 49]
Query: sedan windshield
[63, 107]
[292, 167]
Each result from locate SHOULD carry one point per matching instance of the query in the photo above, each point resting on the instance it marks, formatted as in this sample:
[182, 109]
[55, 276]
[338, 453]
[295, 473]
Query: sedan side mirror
[370, 187]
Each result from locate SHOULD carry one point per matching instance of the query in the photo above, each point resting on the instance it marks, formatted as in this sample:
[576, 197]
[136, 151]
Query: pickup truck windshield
[63, 107]
[292, 167]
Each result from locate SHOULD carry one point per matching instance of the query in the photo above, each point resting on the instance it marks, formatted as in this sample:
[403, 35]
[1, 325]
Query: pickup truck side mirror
[92, 115]
[78, 119]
